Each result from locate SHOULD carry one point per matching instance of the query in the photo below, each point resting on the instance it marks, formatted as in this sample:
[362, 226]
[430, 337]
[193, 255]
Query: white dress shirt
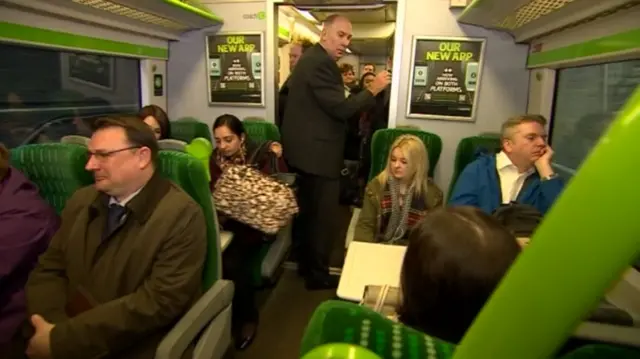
[511, 179]
[127, 199]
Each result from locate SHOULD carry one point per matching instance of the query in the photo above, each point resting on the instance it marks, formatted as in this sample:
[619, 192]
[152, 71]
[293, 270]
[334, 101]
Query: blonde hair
[507, 127]
[305, 42]
[415, 151]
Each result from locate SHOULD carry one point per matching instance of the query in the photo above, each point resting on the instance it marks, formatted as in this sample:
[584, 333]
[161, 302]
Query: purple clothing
[27, 224]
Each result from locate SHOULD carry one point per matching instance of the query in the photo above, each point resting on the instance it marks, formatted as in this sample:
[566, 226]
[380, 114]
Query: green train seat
[56, 168]
[383, 139]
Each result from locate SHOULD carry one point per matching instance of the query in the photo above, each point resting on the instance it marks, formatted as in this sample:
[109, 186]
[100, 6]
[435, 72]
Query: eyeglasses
[103, 155]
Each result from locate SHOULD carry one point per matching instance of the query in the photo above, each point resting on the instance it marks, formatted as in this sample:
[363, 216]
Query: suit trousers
[316, 223]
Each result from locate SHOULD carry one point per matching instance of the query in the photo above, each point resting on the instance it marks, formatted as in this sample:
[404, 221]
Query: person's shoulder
[83, 197]
[179, 198]
[483, 161]
[316, 57]
[374, 187]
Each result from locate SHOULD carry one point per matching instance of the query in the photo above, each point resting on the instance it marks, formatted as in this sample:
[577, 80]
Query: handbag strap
[259, 151]
[265, 148]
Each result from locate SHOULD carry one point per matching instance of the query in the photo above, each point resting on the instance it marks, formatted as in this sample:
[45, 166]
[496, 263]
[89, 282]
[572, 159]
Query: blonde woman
[399, 197]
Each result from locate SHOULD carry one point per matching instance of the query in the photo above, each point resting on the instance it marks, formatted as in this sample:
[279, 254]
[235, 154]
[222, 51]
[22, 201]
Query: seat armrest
[225, 239]
[185, 332]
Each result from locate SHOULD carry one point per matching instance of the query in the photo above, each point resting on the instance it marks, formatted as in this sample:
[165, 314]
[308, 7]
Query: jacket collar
[144, 203]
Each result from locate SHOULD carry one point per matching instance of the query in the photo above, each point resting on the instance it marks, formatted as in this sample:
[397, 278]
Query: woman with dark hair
[455, 259]
[157, 119]
[233, 147]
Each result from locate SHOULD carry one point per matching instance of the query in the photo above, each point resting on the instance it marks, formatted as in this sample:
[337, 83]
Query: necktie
[114, 218]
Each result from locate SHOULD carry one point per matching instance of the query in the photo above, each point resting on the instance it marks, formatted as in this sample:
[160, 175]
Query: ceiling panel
[360, 16]
[370, 47]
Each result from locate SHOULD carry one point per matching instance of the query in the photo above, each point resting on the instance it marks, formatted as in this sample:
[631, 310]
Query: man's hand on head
[543, 164]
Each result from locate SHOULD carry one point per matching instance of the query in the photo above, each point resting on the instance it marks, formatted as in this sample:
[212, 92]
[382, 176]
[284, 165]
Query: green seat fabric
[56, 168]
[261, 131]
[467, 152]
[188, 128]
[383, 139]
[187, 172]
[201, 148]
[342, 322]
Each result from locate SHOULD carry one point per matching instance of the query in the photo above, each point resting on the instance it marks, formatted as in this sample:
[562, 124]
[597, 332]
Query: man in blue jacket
[520, 173]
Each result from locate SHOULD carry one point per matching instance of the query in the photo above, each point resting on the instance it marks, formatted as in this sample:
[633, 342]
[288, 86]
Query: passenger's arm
[22, 243]
[172, 285]
[330, 94]
[46, 289]
[465, 191]
[365, 230]
[549, 191]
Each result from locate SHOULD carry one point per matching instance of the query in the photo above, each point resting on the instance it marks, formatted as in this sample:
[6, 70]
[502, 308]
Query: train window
[586, 101]
[47, 94]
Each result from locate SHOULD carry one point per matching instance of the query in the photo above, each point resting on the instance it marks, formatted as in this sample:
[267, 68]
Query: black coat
[314, 126]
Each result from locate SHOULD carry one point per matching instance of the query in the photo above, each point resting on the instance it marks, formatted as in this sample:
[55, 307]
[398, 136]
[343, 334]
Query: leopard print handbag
[255, 199]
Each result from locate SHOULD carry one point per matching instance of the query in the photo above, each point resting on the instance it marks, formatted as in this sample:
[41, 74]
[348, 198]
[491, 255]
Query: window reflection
[587, 100]
[47, 94]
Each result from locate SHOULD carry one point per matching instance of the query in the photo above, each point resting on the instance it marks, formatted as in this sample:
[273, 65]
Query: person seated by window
[127, 261]
[520, 173]
[157, 119]
[27, 224]
[399, 197]
[455, 259]
[233, 147]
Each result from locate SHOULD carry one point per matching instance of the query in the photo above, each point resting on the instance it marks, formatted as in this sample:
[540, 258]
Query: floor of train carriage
[286, 308]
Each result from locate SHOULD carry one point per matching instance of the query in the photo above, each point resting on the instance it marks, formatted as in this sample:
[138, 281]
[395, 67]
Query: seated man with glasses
[127, 261]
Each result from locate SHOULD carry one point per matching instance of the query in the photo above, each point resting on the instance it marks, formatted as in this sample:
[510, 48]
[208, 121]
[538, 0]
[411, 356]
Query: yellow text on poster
[235, 44]
[449, 51]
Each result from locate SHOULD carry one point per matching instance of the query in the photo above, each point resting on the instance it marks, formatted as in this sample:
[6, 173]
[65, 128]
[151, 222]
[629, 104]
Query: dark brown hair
[4, 161]
[137, 132]
[344, 68]
[455, 258]
[158, 113]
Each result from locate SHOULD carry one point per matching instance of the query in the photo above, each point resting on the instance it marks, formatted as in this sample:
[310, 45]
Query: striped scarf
[398, 220]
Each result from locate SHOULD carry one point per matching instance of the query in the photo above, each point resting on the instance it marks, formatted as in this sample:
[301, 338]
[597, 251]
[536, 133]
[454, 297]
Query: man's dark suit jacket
[283, 95]
[314, 128]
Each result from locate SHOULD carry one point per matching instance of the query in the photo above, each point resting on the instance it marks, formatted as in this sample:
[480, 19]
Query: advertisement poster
[445, 78]
[234, 66]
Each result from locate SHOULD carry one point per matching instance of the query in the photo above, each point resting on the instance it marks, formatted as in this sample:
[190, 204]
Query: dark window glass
[587, 99]
[48, 94]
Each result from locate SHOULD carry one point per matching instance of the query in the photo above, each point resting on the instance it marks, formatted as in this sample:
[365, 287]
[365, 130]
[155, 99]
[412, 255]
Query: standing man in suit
[313, 136]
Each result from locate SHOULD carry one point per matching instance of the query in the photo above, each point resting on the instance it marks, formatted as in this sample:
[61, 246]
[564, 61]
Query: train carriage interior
[458, 70]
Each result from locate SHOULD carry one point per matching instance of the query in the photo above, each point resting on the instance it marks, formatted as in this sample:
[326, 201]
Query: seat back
[467, 151]
[56, 168]
[75, 139]
[188, 128]
[383, 139]
[261, 131]
[253, 118]
[172, 145]
[187, 172]
[201, 148]
[342, 322]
